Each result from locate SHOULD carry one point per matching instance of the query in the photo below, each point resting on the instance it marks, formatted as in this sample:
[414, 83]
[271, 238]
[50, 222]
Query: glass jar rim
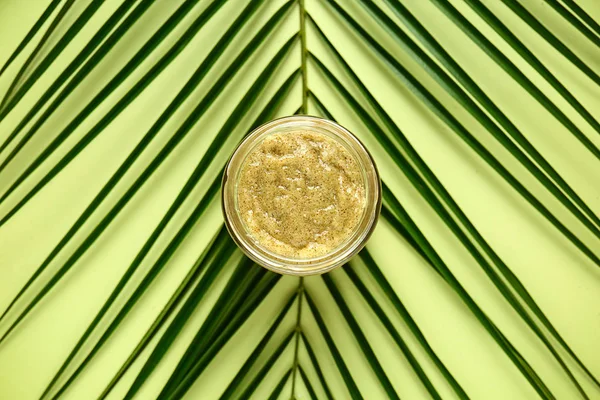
[301, 266]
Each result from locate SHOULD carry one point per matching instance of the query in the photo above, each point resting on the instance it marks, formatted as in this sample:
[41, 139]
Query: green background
[563, 281]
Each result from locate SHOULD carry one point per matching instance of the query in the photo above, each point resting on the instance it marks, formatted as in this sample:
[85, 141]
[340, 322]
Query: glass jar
[301, 266]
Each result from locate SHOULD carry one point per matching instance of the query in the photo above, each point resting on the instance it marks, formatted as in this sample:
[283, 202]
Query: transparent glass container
[301, 266]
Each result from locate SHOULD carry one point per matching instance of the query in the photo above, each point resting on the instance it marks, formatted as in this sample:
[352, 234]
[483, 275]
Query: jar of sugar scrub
[301, 195]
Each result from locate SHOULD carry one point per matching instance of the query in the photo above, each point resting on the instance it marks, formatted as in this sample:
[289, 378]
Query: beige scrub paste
[300, 194]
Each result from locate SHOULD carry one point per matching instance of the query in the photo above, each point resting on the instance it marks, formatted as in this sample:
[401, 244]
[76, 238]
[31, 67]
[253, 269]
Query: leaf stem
[303, 110]
[298, 332]
[303, 60]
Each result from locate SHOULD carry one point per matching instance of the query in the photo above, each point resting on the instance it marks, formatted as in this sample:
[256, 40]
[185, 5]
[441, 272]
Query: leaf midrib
[303, 110]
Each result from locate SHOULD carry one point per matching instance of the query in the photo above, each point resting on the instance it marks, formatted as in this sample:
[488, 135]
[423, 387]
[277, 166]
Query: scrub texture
[301, 194]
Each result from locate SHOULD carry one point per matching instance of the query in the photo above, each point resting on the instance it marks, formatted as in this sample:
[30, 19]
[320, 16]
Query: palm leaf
[116, 123]
[412, 175]
[551, 39]
[31, 34]
[580, 12]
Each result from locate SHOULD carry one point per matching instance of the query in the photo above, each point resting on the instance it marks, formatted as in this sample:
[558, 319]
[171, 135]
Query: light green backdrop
[565, 284]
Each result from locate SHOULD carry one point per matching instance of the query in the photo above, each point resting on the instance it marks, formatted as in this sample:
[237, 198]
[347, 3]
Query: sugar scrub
[301, 194]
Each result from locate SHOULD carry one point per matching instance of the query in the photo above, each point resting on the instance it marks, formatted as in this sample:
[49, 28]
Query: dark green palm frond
[88, 49]
[406, 167]
[53, 25]
[493, 51]
[277, 391]
[580, 26]
[73, 66]
[152, 74]
[551, 39]
[461, 76]
[446, 301]
[31, 33]
[580, 12]
[444, 114]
